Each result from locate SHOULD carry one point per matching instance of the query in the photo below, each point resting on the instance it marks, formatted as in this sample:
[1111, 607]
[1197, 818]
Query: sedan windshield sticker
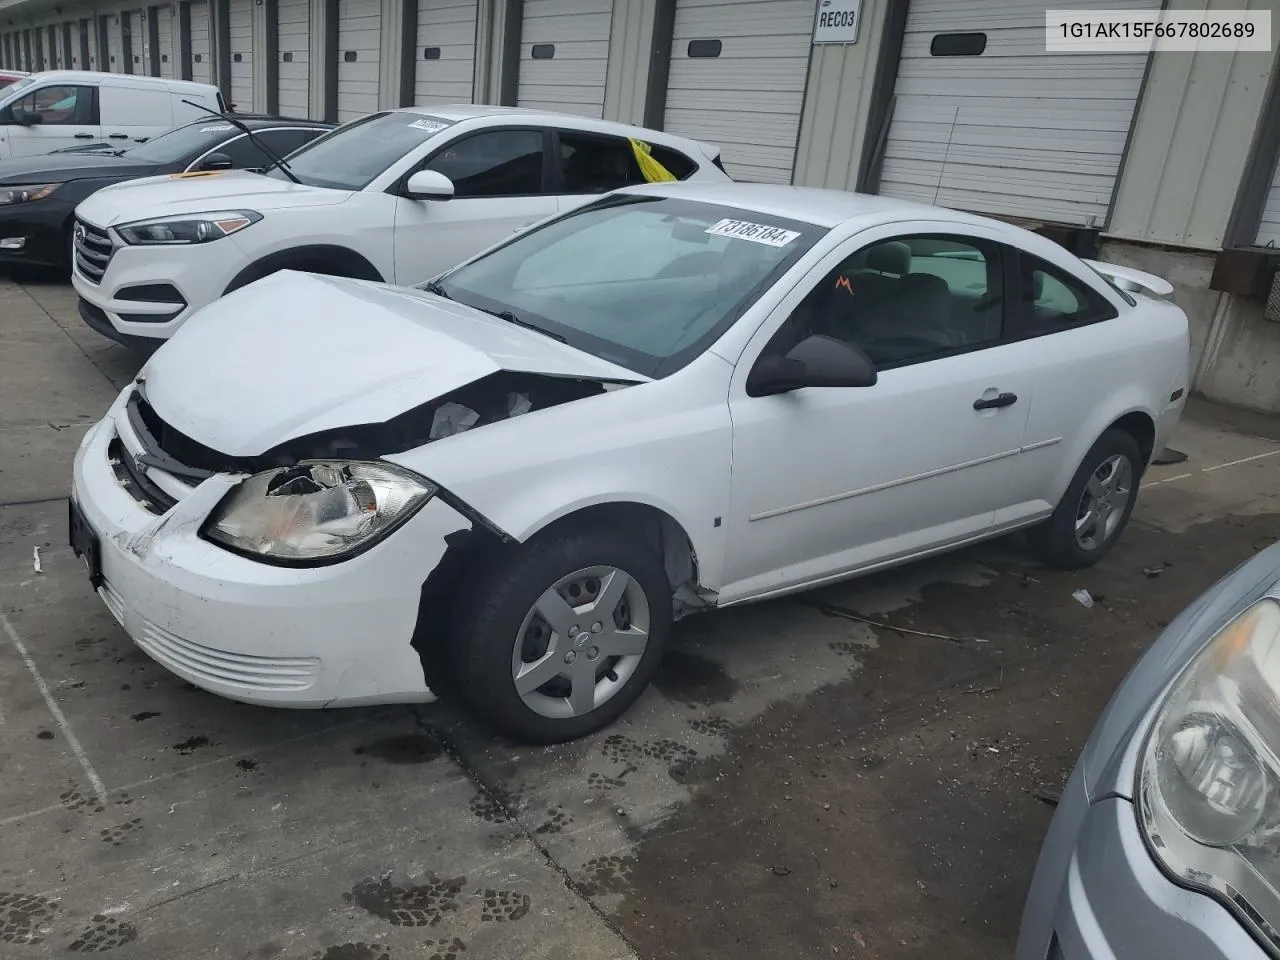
[431, 126]
[755, 232]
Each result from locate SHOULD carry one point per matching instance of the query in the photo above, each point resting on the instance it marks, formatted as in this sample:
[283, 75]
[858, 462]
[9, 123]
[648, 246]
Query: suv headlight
[27, 192]
[188, 228]
[1209, 786]
[316, 511]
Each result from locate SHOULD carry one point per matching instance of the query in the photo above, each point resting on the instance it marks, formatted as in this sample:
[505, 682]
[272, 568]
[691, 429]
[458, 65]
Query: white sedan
[326, 491]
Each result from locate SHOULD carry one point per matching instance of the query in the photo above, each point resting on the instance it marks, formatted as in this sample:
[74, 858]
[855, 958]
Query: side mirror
[25, 119]
[429, 185]
[815, 361]
[215, 161]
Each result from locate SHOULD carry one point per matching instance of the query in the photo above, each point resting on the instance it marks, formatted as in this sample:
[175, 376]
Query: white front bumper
[336, 635]
[200, 273]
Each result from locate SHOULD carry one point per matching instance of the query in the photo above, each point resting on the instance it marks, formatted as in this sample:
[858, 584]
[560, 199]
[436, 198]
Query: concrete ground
[800, 781]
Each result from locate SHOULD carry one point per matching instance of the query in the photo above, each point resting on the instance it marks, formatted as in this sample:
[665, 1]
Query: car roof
[824, 208]
[72, 76]
[256, 120]
[473, 111]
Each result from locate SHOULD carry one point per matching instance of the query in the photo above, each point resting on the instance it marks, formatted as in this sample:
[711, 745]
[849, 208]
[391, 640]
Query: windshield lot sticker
[431, 126]
[755, 232]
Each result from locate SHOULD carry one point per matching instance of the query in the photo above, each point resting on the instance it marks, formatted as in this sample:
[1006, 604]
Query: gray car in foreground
[1166, 842]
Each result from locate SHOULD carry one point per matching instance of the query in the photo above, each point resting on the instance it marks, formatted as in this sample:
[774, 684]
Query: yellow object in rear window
[653, 171]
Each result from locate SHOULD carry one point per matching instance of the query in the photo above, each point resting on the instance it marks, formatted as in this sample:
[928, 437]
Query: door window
[61, 105]
[907, 300]
[499, 163]
[598, 164]
[1052, 300]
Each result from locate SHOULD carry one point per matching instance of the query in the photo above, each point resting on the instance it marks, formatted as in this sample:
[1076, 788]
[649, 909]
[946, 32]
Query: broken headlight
[1209, 787]
[316, 511]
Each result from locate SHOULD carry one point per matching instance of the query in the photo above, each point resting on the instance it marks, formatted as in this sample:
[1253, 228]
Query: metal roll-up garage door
[985, 120]
[201, 68]
[359, 25]
[446, 51]
[294, 33]
[53, 45]
[564, 54]
[165, 18]
[115, 44]
[737, 78]
[241, 35]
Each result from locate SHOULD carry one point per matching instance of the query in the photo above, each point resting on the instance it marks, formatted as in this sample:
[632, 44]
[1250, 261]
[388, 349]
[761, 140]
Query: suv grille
[93, 251]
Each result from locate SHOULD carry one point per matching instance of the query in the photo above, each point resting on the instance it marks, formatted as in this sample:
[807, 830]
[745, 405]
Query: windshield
[181, 143]
[350, 157]
[645, 282]
[14, 90]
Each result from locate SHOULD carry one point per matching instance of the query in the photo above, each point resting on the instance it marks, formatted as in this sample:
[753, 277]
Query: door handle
[84, 136]
[1003, 400]
[118, 136]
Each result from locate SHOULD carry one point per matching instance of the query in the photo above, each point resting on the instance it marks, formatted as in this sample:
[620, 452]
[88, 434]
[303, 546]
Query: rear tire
[543, 672]
[1096, 506]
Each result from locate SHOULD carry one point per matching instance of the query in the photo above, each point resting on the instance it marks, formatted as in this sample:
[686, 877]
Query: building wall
[631, 49]
[1191, 140]
[834, 125]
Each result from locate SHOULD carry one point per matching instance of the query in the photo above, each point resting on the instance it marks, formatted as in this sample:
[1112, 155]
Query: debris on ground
[35, 553]
[834, 611]
[781, 871]
[1084, 597]
[1046, 795]
[1169, 455]
[1154, 572]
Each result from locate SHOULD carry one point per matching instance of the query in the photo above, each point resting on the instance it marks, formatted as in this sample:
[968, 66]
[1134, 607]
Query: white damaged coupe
[329, 492]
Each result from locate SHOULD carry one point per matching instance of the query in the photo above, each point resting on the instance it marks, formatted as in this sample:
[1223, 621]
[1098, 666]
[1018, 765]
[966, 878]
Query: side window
[284, 142]
[244, 153]
[595, 164]
[680, 166]
[907, 300]
[62, 105]
[499, 163]
[1053, 300]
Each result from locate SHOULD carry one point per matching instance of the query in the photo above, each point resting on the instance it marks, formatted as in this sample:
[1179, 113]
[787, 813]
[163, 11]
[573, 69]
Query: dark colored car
[39, 195]
[9, 76]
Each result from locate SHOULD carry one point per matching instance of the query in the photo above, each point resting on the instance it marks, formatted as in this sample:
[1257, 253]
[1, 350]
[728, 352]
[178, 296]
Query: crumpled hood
[59, 168]
[199, 193]
[298, 353]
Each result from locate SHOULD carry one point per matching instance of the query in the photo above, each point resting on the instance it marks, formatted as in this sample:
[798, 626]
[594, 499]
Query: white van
[58, 108]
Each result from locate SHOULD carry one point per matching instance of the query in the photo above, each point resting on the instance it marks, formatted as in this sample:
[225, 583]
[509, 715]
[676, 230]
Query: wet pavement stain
[104, 933]
[444, 949]
[354, 951]
[688, 678]
[246, 764]
[75, 800]
[144, 715]
[611, 874]
[502, 906]
[424, 905]
[191, 744]
[44, 735]
[23, 917]
[556, 821]
[116, 835]
[409, 748]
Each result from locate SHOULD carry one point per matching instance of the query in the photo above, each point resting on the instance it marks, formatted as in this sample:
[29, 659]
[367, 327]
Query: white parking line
[1233, 463]
[72, 740]
[1181, 476]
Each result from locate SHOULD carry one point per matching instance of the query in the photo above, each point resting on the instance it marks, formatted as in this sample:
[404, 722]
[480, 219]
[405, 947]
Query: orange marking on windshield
[844, 282]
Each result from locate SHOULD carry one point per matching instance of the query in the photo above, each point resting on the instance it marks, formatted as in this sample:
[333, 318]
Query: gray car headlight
[316, 511]
[26, 192]
[1209, 786]
[187, 228]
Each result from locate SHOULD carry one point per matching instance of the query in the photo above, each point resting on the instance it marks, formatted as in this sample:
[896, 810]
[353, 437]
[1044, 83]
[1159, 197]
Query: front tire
[560, 640]
[1096, 507]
